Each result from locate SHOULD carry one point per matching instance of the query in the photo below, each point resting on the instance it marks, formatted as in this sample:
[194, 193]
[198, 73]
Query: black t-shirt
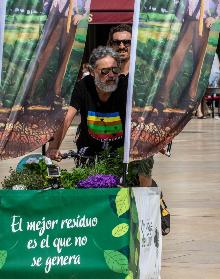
[102, 123]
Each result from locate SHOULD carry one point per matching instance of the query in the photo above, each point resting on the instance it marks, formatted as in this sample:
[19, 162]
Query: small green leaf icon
[3, 256]
[120, 230]
[130, 275]
[116, 261]
[122, 201]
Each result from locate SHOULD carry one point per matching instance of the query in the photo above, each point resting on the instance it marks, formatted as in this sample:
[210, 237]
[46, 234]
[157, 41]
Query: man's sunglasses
[118, 42]
[106, 71]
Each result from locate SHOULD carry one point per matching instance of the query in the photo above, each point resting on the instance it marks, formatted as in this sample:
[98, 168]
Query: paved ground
[190, 181]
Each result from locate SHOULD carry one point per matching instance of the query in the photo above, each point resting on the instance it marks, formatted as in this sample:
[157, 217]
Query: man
[60, 29]
[197, 21]
[120, 41]
[102, 105]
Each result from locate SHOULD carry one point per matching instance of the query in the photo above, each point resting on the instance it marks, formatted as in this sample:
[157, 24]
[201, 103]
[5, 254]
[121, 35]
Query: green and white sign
[73, 234]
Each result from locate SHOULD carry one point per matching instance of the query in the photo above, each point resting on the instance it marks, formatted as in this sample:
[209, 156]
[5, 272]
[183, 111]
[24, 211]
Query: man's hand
[54, 145]
[54, 154]
[76, 19]
[209, 21]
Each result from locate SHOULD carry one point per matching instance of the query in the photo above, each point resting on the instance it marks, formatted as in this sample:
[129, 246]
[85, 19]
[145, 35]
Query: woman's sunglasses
[118, 42]
[106, 71]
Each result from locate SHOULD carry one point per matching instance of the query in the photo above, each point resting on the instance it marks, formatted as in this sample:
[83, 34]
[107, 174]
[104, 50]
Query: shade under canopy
[114, 11]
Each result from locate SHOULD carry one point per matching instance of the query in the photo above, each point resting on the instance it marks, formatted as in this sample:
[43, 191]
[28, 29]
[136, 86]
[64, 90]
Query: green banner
[69, 234]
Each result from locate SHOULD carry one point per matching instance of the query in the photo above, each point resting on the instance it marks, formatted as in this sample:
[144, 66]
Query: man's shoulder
[83, 88]
[86, 80]
[123, 77]
[85, 83]
[123, 82]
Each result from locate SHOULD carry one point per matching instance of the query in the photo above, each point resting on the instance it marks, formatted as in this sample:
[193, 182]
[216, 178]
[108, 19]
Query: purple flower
[99, 181]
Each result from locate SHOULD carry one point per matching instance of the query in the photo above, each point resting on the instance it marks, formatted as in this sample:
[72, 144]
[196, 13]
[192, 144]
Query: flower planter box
[83, 233]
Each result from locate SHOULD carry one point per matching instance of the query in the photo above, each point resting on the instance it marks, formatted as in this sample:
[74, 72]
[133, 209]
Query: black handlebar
[80, 159]
[70, 154]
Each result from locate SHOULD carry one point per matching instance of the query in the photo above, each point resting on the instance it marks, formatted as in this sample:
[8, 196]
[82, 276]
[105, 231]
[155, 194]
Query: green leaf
[134, 213]
[132, 249]
[116, 261]
[136, 256]
[130, 275]
[120, 230]
[122, 201]
[3, 256]
[138, 235]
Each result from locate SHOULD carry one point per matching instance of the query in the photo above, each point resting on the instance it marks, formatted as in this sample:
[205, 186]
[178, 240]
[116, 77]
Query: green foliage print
[3, 256]
[134, 240]
[136, 258]
[120, 261]
[134, 214]
[130, 275]
[122, 201]
[116, 261]
[120, 230]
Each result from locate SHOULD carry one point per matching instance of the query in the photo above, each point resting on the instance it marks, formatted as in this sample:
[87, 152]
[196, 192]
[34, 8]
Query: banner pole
[131, 80]
[125, 173]
[2, 27]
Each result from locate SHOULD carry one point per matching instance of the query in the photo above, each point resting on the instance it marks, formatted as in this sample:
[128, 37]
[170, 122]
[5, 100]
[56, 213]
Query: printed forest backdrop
[171, 65]
[30, 110]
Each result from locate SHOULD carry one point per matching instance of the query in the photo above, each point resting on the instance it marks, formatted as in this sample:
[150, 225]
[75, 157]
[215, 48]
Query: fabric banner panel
[176, 43]
[95, 233]
[111, 17]
[111, 12]
[147, 201]
[2, 27]
[113, 5]
[42, 50]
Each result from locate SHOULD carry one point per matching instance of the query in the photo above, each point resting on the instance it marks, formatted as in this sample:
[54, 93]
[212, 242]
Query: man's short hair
[118, 28]
[101, 52]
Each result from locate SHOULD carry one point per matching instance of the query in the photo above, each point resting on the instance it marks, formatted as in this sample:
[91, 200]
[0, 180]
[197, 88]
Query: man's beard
[105, 87]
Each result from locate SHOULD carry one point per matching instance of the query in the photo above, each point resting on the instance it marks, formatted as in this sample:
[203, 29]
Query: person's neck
[125, 67]
[103, 96]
